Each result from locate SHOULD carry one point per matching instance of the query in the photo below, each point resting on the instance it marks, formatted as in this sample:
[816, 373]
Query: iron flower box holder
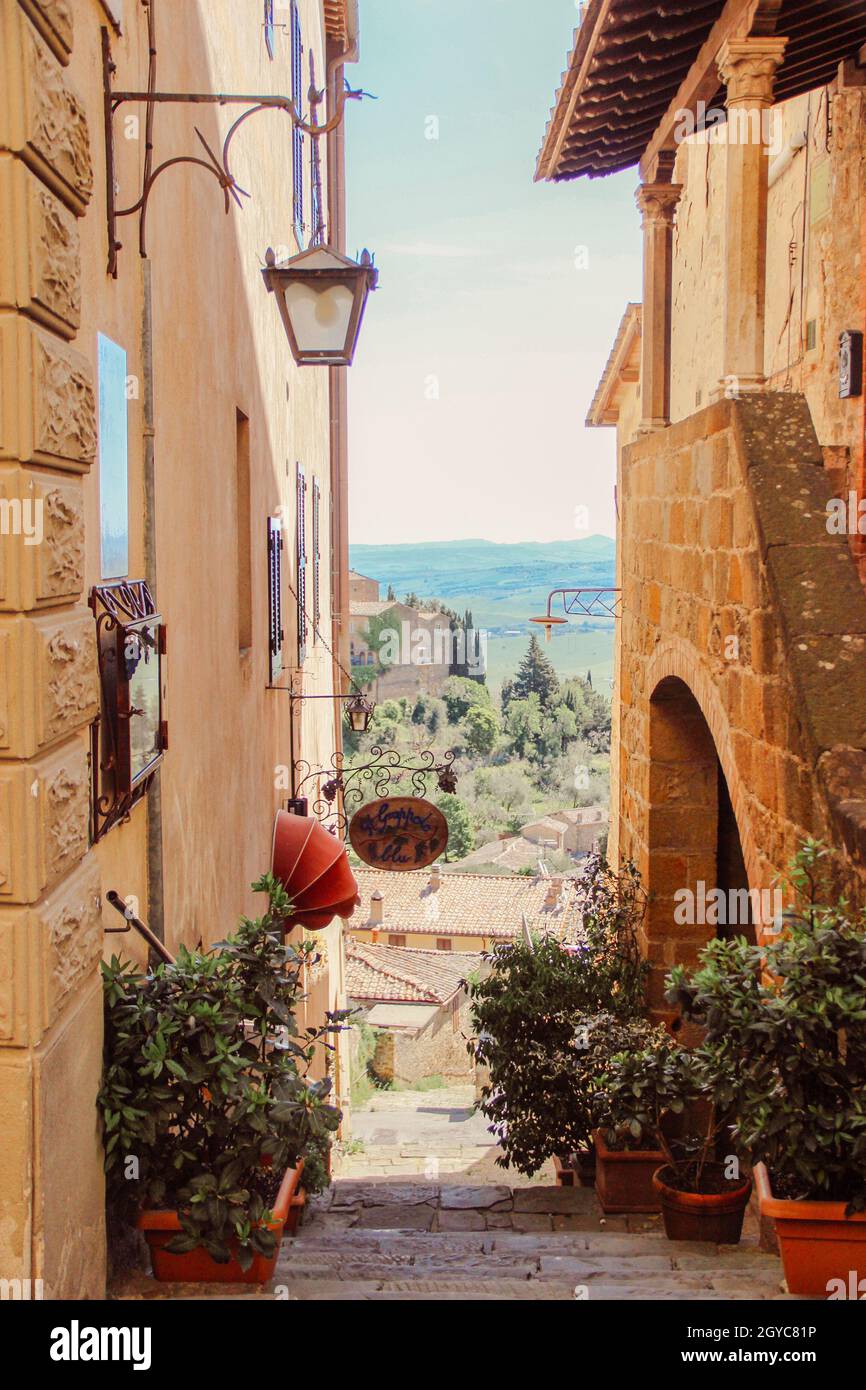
[129, 736]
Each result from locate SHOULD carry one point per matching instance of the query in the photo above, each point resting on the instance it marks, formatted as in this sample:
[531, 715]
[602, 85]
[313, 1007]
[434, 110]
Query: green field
[572, 651]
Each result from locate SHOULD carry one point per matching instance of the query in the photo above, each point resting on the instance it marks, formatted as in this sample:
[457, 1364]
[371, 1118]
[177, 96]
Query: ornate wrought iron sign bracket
[218, 166]
[348, 785]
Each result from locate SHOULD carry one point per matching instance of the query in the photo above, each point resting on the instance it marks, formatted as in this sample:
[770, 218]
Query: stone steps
[400, 1240]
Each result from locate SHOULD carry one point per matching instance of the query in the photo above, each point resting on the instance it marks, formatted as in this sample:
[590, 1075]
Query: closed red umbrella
[313, 867]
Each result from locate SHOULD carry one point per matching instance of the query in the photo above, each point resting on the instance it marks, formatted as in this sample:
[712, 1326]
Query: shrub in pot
[536, 1024]
[647, 1160]
[209, 1114]
[787, 1023]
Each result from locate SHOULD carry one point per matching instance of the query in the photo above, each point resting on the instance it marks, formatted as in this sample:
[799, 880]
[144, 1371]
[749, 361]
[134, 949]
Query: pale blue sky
[478, 285]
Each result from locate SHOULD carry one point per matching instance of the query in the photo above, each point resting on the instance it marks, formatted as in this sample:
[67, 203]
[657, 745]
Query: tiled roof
[401, 974]
[630, 58]
[623, 364]
[369, 608]
[464, 904]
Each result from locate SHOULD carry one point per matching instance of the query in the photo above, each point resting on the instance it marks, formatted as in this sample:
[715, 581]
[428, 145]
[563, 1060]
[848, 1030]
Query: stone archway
[692, 840]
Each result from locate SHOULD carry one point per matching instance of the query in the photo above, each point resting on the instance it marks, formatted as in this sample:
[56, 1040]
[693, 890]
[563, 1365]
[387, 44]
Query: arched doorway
[693, 843]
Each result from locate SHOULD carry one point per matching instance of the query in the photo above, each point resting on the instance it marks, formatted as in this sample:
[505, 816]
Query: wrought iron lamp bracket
[218, 166]
[347, 784]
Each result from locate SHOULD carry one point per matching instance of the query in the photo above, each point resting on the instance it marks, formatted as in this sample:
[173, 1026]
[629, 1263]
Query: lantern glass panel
[320, 317]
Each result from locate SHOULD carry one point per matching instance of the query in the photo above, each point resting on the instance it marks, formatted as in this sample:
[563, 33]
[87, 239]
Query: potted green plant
[535, 1024]
[647, 1160]
[210, 1116]
[788, 1022]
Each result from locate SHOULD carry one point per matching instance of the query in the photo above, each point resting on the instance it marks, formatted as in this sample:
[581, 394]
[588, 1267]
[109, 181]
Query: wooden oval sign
[399, 833]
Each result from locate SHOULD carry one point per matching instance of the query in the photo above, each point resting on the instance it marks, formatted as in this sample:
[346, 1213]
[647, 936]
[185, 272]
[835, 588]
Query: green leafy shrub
[206, 1084]
[546, 1018]
[786, 1033]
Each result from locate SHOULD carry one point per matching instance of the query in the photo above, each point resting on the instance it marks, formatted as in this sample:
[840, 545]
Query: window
[129, 736]
[298, 135]
[113, 460]
[317, 606]
[269, 27]
[275, 603]
[242, 517]
[396, 941]
[443, 943]
[301, 562]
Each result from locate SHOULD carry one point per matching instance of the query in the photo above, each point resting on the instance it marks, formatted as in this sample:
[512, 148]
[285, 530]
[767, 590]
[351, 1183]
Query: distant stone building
[418, 1004]
[423, 638]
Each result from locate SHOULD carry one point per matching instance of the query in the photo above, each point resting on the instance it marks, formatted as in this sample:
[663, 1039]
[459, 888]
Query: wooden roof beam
[738, 19]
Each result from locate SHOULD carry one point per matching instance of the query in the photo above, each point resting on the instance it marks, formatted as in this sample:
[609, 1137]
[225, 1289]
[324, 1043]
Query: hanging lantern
[321, 295]
[313, 867]
[359, 712]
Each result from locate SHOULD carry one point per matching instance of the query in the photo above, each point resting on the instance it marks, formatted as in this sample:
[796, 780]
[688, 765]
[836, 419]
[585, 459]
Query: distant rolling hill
[504, 585]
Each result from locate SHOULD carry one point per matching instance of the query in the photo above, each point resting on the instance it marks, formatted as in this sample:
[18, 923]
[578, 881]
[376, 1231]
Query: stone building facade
[216, 424]
[741, 650]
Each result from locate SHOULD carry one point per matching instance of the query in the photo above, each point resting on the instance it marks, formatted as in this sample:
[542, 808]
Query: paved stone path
[417, 1132]
[398, 1240]
[415, 1215]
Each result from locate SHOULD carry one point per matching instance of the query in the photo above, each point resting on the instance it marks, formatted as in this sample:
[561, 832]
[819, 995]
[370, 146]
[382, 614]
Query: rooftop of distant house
[400, 974]
[433, 903]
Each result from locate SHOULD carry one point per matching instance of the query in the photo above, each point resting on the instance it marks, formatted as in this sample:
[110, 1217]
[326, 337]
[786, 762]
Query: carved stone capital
[748, 69]
[657, 202]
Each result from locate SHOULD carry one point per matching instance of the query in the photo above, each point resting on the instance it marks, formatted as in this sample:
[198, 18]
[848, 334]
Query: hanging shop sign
[399, 833]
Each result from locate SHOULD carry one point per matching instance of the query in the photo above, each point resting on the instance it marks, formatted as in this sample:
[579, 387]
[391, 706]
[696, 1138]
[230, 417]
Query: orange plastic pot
[712, 1216]
[196, 1266]
[819, 1244]
[624, 1177]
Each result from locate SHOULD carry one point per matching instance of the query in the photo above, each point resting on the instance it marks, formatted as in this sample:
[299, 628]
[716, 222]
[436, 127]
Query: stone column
[748, 68]
[51, 1187]
[657, 203]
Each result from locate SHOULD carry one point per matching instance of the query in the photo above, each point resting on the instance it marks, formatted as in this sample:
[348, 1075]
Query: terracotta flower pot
[197, 1267]
[624, 1177]
[818, 1242]
[576, 1170]
[712, 1216]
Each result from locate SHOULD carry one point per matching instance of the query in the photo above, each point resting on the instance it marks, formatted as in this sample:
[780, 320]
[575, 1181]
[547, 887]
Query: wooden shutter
[298, 135]
[301, 557]
[275, 600]
[317, 602]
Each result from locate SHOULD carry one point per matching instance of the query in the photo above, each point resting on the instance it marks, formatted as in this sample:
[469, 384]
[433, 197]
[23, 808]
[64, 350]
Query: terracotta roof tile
[401, 974]
[466, 904]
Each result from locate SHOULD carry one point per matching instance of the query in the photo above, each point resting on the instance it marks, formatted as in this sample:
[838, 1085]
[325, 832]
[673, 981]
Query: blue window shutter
[301, 557]
[275, 606]
[317, 602]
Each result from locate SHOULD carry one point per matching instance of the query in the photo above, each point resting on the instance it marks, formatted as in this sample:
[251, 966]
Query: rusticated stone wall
[51, 1228]
[743, 655]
